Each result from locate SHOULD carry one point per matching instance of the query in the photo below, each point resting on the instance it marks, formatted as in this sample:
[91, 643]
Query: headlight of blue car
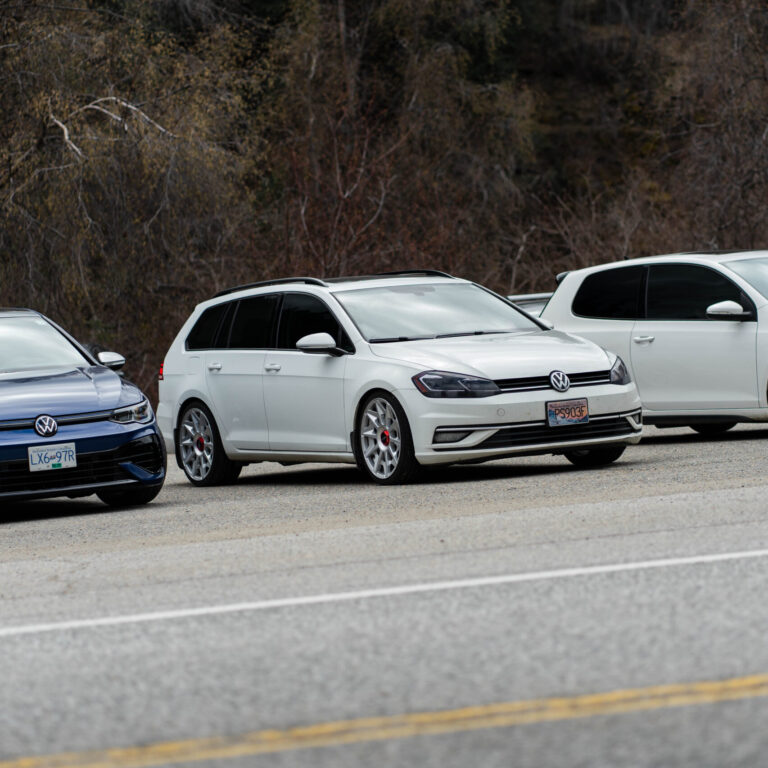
[141, 413]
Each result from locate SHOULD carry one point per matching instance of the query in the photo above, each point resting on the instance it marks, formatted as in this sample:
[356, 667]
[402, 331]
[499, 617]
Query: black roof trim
[282, 281]
[415, 273]
[325, 283]
[385, 275]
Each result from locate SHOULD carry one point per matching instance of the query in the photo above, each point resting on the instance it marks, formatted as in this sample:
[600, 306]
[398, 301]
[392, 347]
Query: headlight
[141, 413]
[619, 372]
[443, 384]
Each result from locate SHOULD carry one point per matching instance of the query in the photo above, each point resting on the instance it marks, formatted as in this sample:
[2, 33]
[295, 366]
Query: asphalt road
[520, 613]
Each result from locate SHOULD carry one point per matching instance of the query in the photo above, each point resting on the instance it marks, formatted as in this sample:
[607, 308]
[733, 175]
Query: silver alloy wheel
[380, 438]
[196, 443]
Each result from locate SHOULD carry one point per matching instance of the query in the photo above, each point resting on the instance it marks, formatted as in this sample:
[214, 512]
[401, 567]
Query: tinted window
[203, 335]
[253, 326]
[683, 292]
[303, 314]
[612, 293]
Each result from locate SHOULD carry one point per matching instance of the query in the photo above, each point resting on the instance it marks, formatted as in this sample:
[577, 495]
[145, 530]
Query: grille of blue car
[530, 383]
[92, 468]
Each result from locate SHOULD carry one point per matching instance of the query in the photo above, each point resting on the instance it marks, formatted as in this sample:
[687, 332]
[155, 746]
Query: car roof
[334, 284]
[692, 257]
[17, 312]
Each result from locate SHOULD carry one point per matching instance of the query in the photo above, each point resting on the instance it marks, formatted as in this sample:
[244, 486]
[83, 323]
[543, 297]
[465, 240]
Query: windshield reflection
[754, 271]
[409, 312]
[28, 343]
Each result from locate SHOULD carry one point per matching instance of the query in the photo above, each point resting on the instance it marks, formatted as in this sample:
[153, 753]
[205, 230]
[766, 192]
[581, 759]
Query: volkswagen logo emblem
[559, 381]
[46, 426]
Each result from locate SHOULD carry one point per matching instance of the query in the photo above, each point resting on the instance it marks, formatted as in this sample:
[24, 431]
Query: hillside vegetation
[156, 151]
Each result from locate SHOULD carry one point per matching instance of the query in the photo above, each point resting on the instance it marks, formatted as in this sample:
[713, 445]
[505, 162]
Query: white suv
[389, 372]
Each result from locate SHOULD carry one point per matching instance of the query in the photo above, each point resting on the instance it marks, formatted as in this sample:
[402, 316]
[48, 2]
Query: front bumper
[515, 423]
[109, 456]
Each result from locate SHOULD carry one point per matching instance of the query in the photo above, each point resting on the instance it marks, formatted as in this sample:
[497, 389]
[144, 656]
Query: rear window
[203, 334]
[254, 323]
[611, 293]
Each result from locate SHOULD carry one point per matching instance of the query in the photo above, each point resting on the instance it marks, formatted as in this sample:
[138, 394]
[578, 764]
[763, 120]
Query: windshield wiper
[470, 333]
[400, 338]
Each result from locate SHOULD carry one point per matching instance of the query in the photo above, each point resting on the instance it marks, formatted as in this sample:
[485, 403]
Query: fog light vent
[450, 436]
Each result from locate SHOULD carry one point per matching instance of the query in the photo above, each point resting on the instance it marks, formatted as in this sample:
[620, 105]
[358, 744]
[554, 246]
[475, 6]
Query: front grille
[75, 418]
[539, 432]
[92, 468]
[542, 382]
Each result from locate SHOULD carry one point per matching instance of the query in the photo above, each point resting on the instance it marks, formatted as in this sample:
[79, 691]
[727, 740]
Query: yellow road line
[499, 715]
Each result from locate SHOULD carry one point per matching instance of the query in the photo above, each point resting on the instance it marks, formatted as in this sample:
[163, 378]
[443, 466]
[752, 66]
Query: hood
[63, 391]
[503, 355]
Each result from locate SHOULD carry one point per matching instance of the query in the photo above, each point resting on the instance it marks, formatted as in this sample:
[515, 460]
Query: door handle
[643, 339]
[272, 367]
[214, 366]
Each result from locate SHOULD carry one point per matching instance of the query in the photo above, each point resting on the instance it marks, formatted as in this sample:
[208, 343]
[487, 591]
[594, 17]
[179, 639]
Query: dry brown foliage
[155, 152]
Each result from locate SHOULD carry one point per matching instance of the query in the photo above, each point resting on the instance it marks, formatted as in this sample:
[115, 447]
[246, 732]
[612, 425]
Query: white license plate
[560, 412]
[47, 457]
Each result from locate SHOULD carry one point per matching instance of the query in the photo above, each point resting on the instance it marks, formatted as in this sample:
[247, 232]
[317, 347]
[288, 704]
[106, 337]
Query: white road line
[366, 594]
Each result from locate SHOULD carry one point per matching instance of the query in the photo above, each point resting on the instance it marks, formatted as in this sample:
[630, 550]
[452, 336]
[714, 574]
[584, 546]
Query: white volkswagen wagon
[389, 372]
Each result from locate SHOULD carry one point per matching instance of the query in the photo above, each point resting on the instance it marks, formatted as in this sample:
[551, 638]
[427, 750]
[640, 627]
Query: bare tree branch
[127, 105]
[67, 140]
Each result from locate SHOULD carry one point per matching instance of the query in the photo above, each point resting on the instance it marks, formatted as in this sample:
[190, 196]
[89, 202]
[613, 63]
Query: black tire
[130, 497]
[595, 457]
[715, 428]
[203, 442]
[391, 441]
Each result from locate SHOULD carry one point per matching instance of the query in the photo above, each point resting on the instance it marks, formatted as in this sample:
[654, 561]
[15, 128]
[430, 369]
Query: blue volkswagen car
[69, 424]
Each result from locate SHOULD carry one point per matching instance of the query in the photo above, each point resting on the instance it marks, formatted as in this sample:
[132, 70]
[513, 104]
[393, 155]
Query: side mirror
[111, 360]
[727, 310]
[319, 344]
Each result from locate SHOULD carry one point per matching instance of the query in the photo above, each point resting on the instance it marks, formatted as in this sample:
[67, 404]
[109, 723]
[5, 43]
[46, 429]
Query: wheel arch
[364, 396]
[188, 400]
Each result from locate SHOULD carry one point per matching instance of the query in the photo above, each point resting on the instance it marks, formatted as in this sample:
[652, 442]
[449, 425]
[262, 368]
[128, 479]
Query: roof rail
[282, 281]
[429, 272]
[561, 275]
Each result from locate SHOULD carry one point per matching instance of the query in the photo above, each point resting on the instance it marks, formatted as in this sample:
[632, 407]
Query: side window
[611, 293]
[254, 323]
[684, 291]
[203, 334]
[303, 314]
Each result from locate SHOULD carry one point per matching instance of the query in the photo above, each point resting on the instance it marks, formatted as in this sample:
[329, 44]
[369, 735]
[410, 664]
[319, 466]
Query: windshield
[754, 271]
[407, 312]
[31, 342]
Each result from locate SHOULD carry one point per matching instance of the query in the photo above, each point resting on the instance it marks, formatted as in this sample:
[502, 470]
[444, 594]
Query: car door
[235, 371]
[606, 306]
[304, 393]
[681, 359]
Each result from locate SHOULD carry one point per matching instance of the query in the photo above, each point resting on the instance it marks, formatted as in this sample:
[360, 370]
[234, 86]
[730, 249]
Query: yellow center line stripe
[500, 715]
